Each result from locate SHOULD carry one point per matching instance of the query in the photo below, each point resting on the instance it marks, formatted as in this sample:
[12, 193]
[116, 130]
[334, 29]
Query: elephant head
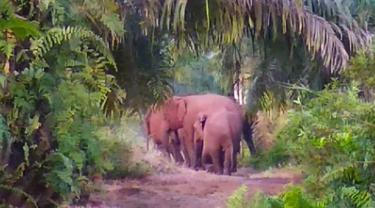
[157, 129]
[155, 126]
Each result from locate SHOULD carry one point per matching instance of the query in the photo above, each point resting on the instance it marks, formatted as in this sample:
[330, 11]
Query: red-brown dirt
[185, 188]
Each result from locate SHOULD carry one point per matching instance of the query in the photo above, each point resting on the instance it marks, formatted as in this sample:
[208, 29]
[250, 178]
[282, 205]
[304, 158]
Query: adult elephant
[166, 139]
[182, 112]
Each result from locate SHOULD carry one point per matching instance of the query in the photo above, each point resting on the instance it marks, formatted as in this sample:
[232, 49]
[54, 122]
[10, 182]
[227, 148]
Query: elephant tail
[231, 158]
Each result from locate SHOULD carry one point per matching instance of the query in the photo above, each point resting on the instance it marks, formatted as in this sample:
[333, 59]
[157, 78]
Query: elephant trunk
[248, 136]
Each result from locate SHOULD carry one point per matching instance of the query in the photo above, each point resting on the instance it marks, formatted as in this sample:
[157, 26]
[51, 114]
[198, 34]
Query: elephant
[181, 112]
[166, 140]
[220, 135]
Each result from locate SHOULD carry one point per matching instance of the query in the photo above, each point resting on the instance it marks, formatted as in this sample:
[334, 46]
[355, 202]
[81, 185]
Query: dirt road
[185, 188]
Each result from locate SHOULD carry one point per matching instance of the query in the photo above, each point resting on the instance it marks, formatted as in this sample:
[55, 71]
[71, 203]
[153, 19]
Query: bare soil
[186, 188]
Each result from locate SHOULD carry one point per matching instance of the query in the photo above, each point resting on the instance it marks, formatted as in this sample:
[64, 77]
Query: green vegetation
[294, 197]
[123, 140]
[55, 85]
[277, 156]
[330, 135]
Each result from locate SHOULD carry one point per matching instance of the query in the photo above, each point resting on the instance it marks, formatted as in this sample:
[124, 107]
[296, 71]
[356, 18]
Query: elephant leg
[228, 160]
[186, 152]
[186, 155]
[215, 156]
[177, 147]
[192, 155]
[168, 153]
[236, 150]
[176, 153]
[189, 145]
[234, 162]
[165, 147]
[164, 150]
[178, 156]
[205, 157]
[198, 154]
[204, 161]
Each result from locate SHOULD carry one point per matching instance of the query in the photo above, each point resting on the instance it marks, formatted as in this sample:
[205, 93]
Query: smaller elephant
[216, 134]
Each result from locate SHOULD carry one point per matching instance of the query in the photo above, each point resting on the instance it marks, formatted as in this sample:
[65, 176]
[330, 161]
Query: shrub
[275, 157]
[270, 151]
[238, 199]
[332, 138]
[293, 197]
[123, 141]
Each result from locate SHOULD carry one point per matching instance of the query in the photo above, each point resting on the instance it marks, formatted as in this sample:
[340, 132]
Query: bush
[123, 140]
[277, 156]
[294, 197]
[270, 151]
[123, 162]
[50, 111]
[332, 138]
[238, 199]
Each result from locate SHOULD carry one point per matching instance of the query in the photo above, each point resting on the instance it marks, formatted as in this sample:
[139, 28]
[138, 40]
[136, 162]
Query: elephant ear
[174, 112]
[181, 109]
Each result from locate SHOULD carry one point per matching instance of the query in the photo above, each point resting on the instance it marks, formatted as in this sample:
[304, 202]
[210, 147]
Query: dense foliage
[331, 138]
[330, 135]
[54, 89]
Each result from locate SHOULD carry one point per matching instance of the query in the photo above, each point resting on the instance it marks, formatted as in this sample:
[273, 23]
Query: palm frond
[220, 22]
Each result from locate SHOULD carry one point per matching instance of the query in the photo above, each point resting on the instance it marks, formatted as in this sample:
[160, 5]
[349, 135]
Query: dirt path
[185, 188]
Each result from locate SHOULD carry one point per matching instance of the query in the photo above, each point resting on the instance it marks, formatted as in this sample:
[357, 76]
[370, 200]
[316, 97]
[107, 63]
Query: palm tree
[295, 39]
[199, 23]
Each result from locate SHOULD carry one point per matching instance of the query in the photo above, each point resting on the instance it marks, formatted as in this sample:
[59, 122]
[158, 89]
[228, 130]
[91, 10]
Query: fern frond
[29, 199]
[345, 173]
[358, 198]
[57, 36]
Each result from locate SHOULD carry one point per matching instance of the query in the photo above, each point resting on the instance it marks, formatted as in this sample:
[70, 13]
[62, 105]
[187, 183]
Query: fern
[238, 198]
[357, 198]
[5, 140]
[6, 48]
[348, 174]
[29, 199]
[57, 36]
[294, 197]
[59, 171]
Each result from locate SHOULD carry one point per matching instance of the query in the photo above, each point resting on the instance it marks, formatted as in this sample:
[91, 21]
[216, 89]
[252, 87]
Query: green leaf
[26, 152]
[21, 28]
[34, 124]
[113, 23]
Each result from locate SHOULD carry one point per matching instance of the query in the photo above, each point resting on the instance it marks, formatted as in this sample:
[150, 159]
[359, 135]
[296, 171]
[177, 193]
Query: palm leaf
[230, 20]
